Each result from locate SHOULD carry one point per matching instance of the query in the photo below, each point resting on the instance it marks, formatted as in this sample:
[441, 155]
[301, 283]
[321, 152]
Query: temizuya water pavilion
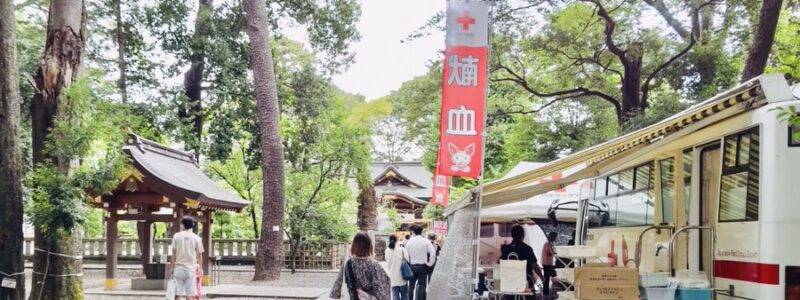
[162, 185]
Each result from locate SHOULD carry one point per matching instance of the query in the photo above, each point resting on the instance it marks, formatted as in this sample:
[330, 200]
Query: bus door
[710, 171]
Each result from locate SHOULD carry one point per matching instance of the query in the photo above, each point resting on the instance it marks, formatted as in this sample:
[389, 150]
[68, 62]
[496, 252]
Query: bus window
[729, 160]
[740, 183]
[628, 201]
[794, 136]
[600, 187]
[605, 211]
[635, 209]
[626, 180]
[487, 230]
[667, 178]
[613, 184]
[505, 229]
[643, 177]
[687, 183]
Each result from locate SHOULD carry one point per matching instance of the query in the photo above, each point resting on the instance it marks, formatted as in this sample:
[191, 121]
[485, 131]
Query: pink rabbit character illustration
[460, 158]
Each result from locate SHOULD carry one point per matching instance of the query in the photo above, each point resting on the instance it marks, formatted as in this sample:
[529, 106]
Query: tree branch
[609, 30]
[513, 10]
[692, 42]
[561, 95]
[669, 18]
[594, 59]
[317, 189]
[227, 180]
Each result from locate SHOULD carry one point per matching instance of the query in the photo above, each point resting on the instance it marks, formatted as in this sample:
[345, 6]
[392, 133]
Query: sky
[382, 62]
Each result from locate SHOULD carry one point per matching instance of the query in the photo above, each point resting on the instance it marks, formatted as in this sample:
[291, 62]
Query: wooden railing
[317, 256]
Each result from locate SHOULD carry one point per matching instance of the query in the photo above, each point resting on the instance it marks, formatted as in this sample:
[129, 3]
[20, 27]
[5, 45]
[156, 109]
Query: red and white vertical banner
[441, 186]
[464, 89]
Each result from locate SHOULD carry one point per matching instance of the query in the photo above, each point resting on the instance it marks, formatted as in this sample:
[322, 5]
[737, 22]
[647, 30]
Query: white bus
[714, 189]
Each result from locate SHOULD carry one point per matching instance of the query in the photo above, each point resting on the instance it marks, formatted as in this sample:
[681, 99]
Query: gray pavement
[234, 282]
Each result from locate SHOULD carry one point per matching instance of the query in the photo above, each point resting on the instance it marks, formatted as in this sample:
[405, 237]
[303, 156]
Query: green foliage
[57, 202]
[665, 103]
[88, 129]
[790, 116]
[319, 200]
[786, 58]
[433, 212]
[235, 173]
[317, 212]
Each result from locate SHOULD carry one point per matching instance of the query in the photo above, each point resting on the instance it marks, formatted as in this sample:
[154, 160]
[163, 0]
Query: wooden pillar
[111, 250]
[176, 224]
[145, 231]
[207, 249]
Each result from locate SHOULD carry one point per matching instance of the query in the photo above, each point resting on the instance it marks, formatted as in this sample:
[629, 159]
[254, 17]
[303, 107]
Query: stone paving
[234, 283]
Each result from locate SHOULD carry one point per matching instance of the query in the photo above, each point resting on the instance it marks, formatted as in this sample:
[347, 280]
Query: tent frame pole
[476, 242]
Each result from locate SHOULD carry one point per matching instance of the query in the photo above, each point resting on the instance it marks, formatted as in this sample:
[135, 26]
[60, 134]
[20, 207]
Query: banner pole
[479, 201]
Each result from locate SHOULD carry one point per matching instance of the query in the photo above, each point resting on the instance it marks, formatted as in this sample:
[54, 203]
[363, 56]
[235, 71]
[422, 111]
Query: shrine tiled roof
[176, 173]
[418, 181]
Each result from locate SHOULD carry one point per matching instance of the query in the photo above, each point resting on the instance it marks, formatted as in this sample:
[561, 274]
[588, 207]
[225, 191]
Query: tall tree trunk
[762, 42]
[367, 208]
[632, 102]
[58, 68]
[122, 64]
[270, 251]
[11, 261]
[193, 78]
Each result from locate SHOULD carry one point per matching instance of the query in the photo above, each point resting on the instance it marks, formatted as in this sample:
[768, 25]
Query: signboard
[464, 89]
[440, 228]
[9, 283]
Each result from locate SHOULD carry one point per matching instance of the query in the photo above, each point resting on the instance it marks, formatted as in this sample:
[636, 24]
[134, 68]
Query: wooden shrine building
[162, 185]
[404, 186]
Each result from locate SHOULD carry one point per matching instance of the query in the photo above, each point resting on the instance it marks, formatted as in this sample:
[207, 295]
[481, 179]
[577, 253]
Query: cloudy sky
[383, 62]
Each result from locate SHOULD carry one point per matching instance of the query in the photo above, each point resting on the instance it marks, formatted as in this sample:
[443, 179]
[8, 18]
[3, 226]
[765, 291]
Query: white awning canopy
[608, 156]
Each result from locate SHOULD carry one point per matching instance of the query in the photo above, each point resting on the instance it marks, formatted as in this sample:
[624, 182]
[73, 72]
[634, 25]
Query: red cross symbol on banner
[465, 20]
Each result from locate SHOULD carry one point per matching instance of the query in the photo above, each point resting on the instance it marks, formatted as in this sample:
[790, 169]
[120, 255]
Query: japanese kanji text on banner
[464, 89]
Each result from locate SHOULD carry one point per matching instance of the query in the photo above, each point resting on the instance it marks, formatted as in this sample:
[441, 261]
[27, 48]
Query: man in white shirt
[187, 253]
[421, 255]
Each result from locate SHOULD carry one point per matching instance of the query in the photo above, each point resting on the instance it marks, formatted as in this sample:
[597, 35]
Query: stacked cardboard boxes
[601, 282]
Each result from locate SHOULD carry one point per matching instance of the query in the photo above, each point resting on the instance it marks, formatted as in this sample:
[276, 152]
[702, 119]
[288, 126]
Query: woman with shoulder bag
[395, 261]
[364, 277]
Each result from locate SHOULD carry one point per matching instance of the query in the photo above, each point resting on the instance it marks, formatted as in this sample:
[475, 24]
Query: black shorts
[549, 271]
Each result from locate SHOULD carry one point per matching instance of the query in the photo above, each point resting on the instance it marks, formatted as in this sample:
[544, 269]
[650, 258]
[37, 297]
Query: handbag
[405, 270]
[356, 293]
[512, 274]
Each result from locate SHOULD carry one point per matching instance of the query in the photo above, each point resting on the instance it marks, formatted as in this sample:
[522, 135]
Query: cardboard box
[601, 282]
[603, 275]
[595, 292]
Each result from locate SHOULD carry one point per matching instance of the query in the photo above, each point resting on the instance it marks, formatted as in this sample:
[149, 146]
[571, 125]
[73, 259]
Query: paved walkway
[227, 291]
[234, 283]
